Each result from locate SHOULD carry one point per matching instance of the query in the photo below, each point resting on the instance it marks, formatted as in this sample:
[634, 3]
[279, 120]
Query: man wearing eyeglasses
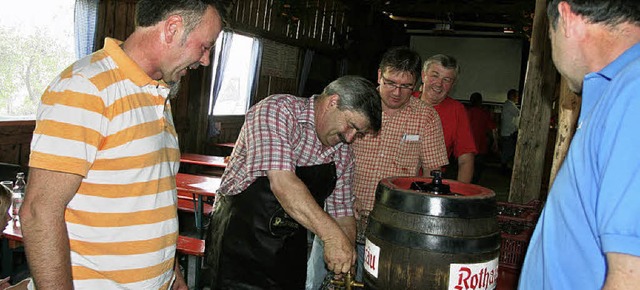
[410, 138]
[439, 75]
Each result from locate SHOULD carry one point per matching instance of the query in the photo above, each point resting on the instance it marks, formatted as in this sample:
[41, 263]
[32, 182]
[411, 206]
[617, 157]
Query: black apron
[253, 244]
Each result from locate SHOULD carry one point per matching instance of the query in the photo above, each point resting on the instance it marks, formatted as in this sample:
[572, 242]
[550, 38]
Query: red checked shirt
[410, 138]
[279, 133]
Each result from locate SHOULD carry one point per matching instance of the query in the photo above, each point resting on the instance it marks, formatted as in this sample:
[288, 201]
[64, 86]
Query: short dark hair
[447, 61]
[512, 93]
[476, 99]
[401, 59]
[359, 95]
[150, 12]
[610, 12]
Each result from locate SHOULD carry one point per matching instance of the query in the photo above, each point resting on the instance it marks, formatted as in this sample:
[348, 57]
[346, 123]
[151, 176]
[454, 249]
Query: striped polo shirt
[105, 119]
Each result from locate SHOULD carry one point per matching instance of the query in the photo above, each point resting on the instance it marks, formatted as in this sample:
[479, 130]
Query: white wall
[490, 66]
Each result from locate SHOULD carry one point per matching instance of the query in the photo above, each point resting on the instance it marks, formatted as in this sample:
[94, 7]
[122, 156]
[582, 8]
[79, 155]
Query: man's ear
[572, 24]
[172, 27]
[333, 100]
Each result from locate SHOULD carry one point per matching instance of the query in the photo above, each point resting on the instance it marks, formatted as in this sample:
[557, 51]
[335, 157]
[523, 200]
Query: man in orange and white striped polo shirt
[100, 208]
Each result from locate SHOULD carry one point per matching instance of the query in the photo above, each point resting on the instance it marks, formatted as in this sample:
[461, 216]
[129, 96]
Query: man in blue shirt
[588, 236]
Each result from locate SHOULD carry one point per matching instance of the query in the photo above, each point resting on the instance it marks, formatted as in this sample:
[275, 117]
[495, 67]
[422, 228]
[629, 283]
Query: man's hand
[339, 254]
[179, 283]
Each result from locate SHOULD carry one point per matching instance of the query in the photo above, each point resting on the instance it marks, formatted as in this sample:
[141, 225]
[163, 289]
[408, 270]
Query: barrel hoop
[434, 225]
[441, 244]
[434, 205]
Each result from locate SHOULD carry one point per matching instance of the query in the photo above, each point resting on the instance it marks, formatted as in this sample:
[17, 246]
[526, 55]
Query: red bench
[191, 247]
[188, 204]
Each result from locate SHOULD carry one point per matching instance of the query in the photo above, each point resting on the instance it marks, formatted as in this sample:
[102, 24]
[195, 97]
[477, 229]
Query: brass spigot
[348, 282]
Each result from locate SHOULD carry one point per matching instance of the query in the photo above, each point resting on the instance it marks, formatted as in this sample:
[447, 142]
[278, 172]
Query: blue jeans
[360, 263]
[317, 270]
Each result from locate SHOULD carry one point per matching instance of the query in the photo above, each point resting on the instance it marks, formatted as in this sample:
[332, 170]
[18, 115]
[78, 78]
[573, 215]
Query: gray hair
[447, 61]
[359, 95]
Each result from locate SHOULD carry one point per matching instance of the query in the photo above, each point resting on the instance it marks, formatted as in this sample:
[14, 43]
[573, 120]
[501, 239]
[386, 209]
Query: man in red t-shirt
[439, 74]
[482, 126]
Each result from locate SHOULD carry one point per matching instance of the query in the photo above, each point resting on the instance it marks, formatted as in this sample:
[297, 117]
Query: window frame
[218, 74]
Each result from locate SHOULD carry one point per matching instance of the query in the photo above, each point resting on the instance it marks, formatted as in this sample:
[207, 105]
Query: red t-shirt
[481, 125]
[455, 126]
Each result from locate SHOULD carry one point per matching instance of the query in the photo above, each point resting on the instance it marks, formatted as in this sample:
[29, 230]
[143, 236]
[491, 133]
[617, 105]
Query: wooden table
[228, 145]
[185, 245]
[224, 149]
[198, 184]
[206, 160]
[12, 232]
[197, 187]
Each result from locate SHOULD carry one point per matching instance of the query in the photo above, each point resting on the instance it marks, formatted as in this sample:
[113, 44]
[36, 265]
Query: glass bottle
[17, 196]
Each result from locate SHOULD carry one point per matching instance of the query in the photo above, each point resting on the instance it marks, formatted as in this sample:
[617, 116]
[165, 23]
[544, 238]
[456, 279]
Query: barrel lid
[464, 189]
[470, 201]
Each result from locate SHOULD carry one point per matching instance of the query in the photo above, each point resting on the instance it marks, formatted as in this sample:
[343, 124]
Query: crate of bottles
[513, 246]
[526, 214]
[516, 223]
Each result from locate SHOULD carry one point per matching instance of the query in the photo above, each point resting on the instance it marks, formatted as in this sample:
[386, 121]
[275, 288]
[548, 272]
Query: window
[36, 44]
[235, 67]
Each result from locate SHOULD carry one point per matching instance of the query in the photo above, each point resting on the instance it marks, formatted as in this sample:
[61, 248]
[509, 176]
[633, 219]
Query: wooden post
[569, 111]
[539, 88]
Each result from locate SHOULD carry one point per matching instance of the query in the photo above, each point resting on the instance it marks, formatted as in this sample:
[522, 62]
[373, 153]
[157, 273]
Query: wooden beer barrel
[418, 240]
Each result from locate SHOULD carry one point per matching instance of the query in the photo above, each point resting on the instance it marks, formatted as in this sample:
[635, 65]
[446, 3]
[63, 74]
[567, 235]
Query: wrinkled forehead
[441, 70]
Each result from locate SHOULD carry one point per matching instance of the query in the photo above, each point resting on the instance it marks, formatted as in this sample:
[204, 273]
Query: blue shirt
[593, 207]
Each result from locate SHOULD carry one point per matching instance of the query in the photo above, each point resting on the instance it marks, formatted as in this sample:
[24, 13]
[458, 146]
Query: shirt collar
[308, 111]
[615, 66]
[129, 67]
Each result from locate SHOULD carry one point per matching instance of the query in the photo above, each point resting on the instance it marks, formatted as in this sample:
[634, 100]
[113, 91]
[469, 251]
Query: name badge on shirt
[410, 138]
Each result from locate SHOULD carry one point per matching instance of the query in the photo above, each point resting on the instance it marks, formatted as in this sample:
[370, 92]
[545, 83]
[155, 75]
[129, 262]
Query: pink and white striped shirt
[279, 133]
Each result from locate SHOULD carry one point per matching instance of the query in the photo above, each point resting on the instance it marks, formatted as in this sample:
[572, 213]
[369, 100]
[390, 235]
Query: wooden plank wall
[116, 19]
[15, 139]
[312, 24]
[318, 24]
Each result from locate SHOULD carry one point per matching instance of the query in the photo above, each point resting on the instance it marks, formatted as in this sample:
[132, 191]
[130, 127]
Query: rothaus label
[371, 258]
[480, 276]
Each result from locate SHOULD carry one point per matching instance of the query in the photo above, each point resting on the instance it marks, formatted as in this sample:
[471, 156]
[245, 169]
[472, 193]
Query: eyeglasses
[391, 85]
